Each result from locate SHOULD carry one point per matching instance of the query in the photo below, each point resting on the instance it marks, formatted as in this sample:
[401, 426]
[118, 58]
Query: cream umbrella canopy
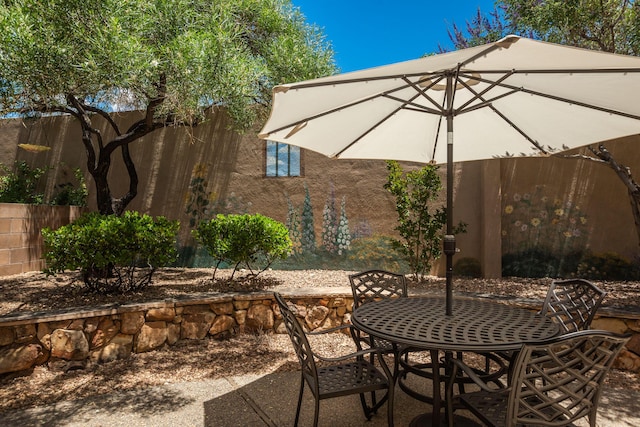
[516, 95]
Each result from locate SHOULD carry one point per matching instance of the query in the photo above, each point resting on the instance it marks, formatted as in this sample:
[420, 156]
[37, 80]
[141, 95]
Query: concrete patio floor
[250, 400]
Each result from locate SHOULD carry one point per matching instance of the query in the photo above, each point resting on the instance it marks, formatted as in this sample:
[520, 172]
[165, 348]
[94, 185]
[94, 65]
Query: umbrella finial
[507, 41]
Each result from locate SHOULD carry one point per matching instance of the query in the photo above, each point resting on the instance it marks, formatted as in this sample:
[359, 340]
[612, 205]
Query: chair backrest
[300, 342]
[573, 303]
[372, 285]
[560, 380]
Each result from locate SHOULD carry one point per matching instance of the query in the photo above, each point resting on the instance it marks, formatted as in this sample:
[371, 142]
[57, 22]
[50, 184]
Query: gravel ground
[34, 291]
[194, 360]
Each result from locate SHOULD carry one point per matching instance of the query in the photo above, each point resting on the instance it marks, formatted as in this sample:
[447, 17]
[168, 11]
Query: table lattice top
[476, 325]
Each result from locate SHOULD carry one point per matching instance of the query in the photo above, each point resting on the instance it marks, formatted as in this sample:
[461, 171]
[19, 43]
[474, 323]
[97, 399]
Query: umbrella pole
[449, 244]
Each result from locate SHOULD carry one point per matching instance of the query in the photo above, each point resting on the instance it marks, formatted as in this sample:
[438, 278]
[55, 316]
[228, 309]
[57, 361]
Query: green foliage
[173, 59]
[113, 253]
[419, 226]
[540, 262]
[376, 252]
[468, 267]
[244, 239]
[308, 239]
[21, 186]
[609, 25]
[70, 195]
[606, 266]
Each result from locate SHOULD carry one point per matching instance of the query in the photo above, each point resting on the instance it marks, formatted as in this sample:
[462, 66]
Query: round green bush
[249, 240]
[113, 253]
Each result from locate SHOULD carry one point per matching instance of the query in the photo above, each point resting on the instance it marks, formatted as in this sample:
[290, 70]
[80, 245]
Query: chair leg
[365, 408]
[295, 423]
[316, 413]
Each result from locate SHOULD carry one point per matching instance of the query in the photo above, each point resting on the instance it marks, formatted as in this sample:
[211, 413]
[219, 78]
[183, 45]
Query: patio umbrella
[516, 95]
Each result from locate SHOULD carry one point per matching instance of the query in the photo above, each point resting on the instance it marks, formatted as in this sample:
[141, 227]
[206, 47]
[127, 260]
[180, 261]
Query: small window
[282, 159]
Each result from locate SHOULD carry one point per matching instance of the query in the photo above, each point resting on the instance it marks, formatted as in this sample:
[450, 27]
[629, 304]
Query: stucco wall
[233, 166]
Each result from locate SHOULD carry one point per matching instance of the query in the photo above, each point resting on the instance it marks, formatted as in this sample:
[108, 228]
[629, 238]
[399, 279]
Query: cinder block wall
[20, 234]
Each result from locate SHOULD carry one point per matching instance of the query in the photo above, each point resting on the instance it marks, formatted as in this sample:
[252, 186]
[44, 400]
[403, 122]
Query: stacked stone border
[76, 338]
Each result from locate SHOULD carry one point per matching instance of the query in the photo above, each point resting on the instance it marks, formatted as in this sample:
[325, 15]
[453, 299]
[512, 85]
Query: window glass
[282, 159]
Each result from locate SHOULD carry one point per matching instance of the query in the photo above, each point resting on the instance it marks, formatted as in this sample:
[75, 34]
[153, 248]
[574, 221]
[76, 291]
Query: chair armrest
[347, 356]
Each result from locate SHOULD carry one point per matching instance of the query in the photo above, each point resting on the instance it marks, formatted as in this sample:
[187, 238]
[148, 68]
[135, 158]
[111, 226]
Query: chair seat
[360, 376]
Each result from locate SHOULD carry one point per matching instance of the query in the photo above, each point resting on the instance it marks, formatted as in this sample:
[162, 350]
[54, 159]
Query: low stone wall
[77, 337]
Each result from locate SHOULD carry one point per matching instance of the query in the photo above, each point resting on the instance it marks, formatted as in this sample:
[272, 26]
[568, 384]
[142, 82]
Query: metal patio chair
[573, 303]
[339, 376]
[373, 285]
[554, 383]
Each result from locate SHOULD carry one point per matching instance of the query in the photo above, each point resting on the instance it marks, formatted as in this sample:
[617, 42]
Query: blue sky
[367, 34]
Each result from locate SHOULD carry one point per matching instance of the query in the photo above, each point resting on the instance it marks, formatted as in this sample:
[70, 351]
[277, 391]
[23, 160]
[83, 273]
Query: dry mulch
[207, 359]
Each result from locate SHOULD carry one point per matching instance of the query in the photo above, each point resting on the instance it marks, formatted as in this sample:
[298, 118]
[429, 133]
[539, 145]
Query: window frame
[278, 146]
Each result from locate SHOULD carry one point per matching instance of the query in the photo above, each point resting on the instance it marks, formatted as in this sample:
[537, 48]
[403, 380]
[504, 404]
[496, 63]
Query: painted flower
[526, 196]
[508, 210]
[543, 214]
[517, 197]
[504, 233]
[518, 223]
[524, 227]
[567, 234]
[559, 212]
[535, 222]
[583, 220]
[573, 221]
[577, 233]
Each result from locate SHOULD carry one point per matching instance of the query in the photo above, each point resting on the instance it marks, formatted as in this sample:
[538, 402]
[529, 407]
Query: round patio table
[476, 325]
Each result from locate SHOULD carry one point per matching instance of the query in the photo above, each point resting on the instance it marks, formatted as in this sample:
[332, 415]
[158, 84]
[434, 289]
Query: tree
[172, 59]
[419, 227]
[608, 25]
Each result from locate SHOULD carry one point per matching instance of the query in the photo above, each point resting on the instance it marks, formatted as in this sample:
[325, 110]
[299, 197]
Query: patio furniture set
[544, 368]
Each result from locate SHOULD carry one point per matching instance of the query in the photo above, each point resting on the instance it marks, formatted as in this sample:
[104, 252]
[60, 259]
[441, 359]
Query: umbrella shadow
[143, 402]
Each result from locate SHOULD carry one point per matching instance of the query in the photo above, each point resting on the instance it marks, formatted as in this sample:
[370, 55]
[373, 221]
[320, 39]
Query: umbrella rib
[417, 107]
[423, 92]
[506, 119]
[491, 86]
[571, 101]
[368, 131]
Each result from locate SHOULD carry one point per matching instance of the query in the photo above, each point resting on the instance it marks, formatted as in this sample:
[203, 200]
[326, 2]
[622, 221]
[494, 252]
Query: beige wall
[20, 238]
[234, 168]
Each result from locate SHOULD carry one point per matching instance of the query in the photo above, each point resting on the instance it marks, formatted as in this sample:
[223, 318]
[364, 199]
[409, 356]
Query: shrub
[376, 252]
[468, 267]
[20, 186]
[419, 226]
[69, 195]
[113, 253]
[606, 266]
[244, 239]
[538, 262]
